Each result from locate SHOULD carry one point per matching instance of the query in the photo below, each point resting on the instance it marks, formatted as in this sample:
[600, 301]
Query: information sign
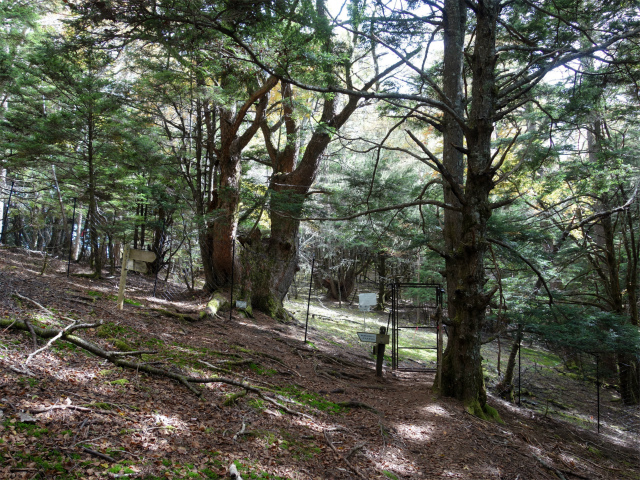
[366, 301]
[137, 266]
[142, 255]
[367, 337]
[373, 337]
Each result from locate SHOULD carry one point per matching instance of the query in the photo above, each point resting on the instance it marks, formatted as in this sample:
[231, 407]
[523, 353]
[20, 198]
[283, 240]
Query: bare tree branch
[531, 266]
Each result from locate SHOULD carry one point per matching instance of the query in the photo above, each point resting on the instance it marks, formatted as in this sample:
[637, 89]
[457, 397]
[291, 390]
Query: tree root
[66, 335]
[236, 363]
[242, 430]
[558, 471]
[274, 358]
[354, 450]
[341, 375]
[69, 407]
[33, 334]
[233, 398]
[353, 469]
[356, 404]
[231, 372]
[180, 316]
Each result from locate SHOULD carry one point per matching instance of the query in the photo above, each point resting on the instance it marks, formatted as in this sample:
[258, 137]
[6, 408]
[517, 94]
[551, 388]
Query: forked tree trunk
[341, 283]
[272, 277]
[292, 180]
[220, 232]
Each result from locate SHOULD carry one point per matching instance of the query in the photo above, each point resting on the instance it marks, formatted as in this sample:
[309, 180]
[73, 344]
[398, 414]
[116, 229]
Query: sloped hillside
[256, 396]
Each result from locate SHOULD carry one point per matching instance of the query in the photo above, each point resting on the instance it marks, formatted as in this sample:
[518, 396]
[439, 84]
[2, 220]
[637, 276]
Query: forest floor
[73, 415]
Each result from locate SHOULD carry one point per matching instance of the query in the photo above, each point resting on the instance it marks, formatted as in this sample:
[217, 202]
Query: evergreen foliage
[494, 152]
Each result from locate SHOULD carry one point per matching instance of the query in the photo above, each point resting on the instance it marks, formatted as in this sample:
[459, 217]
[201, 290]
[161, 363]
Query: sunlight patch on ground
[339, 326]
[167, 421]
[399, 465]
[160, 301]
[436, 410]
[56, 367]
[413, 432]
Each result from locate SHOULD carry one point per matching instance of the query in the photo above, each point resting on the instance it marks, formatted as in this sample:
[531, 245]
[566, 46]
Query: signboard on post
[380, 339]
[136, 260]
[373, 338]
[137, 266]
[142, 255]
[366, 301]
[367, 337]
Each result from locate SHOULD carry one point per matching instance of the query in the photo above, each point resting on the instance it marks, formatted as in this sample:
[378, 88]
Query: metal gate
[416, 326]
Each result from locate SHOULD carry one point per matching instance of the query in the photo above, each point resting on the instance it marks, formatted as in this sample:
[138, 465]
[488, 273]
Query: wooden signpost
[142, 255]
[136, 260]
[381, 339]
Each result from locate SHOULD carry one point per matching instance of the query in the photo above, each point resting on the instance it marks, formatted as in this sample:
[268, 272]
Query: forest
[255, 146]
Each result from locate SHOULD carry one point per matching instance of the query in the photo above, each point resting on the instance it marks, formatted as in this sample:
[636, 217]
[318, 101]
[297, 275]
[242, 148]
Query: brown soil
[393, 427]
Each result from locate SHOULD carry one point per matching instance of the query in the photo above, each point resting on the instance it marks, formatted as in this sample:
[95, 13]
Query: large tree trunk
[3, 187]
[220, 234]
[340, 280]
[95, 258]
[270, 264]
[223, 228]
[632, 374]
[629, 381]
[465, 232]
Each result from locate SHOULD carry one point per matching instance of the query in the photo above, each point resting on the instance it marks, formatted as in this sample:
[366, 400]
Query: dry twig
[98, 454]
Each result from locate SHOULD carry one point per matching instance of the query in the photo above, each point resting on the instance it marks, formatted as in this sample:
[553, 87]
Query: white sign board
[142, 255]
[241, 304]
[137, 266]
[373, 337]
[366, 301]
[367, 337]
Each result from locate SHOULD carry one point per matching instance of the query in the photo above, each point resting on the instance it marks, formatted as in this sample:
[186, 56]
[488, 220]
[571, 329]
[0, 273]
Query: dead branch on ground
[98, 454]
[66, 335]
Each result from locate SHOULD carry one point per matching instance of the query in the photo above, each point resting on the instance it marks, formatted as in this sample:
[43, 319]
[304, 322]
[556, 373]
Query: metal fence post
[306, 323]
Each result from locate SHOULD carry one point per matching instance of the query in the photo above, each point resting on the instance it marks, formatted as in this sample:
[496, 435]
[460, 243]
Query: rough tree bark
[465, 230]
[95, 258]
[292, 180]
[275, 258]
[217, 241]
